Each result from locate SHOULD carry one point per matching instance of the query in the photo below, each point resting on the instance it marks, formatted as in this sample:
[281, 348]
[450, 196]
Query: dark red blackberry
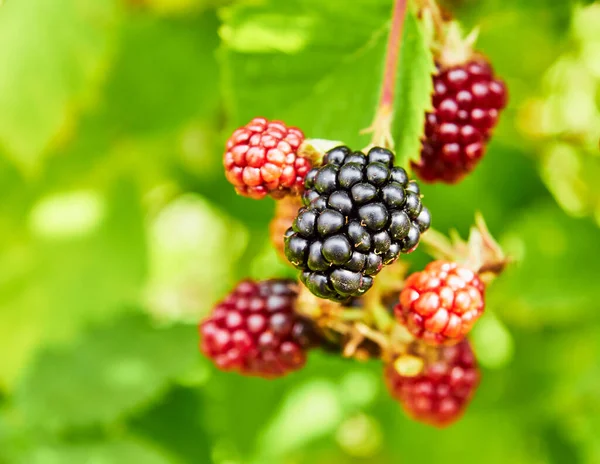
[442, 303]
[261, 158]
[360, 213]
[467, 100]
[440, 394]
[254, 330]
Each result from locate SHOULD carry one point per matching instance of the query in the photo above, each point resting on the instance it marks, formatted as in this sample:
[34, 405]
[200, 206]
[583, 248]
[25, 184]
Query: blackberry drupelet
[467, 100]
[254, 330]
[360, 212]
[440, 394]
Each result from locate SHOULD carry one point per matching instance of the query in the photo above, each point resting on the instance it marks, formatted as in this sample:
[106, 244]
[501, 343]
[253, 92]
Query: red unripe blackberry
[254, 330]
[440, 394]
[261, 159]
[441, 303]
[467, 100]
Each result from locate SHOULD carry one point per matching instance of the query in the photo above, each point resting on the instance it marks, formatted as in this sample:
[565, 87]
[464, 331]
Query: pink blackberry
[441, 303]
[254, 330]
[440, 394]
[467, 100]
[261, 159]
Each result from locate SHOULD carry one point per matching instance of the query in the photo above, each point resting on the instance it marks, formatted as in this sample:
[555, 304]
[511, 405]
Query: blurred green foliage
[119, 231]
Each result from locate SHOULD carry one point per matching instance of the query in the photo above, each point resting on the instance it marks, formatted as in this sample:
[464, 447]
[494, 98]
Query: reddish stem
[392, 53]
[381, 126]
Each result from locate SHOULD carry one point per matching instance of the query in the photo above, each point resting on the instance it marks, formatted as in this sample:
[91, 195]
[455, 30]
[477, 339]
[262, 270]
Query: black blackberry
[360, 212]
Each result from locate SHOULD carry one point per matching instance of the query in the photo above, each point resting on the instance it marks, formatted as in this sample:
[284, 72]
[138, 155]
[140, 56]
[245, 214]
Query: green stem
[352, 315]
[382, 318]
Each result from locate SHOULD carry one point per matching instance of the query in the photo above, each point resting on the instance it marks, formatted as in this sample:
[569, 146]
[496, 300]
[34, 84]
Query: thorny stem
[381, 126]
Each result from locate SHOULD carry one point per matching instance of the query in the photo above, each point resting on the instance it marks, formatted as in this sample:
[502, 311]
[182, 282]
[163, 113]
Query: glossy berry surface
[254, 330]
[440, 394]
[467, 101]
[441, 303]
[360, 212]
[261, 159]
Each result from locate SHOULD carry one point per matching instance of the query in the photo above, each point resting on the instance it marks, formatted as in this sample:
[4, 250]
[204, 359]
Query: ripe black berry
[360, 212]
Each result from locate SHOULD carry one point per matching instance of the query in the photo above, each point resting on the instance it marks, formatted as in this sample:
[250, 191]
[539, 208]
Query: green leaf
[190, 439]
[414, 86]
[570, 174]
[327, 71]
[52, 54]
[110, 371]
[554, 279]
[181, 286]
[314, 64]
[176, 8]
[186, 88]
[510, 440]
[124, 451]
[81, 259]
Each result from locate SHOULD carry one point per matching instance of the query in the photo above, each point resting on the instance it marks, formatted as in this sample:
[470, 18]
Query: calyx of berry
[315, 149]
[455, 48]
[481, 252]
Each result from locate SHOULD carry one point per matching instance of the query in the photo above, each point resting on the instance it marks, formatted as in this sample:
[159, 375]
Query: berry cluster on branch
[344, 217]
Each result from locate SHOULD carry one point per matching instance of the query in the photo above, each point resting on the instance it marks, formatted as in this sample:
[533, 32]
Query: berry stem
[372, 304]
[432, 9]
[374, 336]
[352, 314]
[381, 126]
[393, 51]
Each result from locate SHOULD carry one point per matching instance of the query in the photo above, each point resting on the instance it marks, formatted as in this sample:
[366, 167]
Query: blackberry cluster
[254, 330]
[467, 100]
[442, 303]
[440, 394]
[360, 212]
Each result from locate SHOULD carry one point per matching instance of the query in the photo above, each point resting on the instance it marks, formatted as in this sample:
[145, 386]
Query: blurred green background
[118, 232]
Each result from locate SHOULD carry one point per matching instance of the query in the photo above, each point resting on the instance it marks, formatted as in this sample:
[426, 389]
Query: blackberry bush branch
[381, 126]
